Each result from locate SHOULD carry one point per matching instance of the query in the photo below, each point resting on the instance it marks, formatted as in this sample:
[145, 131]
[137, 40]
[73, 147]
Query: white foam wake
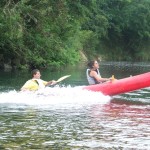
[54, 95]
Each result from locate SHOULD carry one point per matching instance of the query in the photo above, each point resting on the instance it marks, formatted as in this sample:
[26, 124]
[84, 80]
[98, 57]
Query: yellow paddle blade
[113, 77]
[62, 78]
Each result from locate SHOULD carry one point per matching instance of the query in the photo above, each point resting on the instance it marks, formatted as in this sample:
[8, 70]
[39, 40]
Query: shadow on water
[138, 97]
[121, 101]
[2, 148]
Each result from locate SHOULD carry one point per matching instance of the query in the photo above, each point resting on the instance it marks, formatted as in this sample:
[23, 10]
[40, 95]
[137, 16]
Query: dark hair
[91, 64]
[34, 71]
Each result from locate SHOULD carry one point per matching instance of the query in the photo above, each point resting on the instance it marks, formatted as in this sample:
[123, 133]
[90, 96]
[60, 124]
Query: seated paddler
[36, 83]
[93, 74]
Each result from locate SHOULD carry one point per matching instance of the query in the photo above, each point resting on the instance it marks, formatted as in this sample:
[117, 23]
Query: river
[65, 117]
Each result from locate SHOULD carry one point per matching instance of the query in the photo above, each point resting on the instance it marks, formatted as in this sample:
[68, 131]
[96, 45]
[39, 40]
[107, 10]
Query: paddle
[113, 78]
[60, 79]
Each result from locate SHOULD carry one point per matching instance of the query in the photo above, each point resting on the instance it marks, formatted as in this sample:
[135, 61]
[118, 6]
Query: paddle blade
[113, 77]
[62, 78]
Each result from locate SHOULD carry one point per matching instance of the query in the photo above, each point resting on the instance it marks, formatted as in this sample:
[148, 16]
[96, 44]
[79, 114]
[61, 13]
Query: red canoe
[122, 86]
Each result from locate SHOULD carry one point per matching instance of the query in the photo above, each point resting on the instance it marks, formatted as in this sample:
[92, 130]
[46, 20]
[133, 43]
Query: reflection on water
[67, 117]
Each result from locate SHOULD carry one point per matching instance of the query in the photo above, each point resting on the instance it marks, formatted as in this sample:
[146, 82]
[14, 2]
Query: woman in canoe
[36, 83]
[93, 74]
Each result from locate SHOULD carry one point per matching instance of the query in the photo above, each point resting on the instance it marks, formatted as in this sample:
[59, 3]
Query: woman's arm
[98, 78]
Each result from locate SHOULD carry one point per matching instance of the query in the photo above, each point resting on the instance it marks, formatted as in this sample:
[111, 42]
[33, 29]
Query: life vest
[41, 83]
[34, 84]
[90, 79]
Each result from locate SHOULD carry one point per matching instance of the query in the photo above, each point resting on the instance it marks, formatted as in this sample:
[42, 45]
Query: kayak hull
[121, 86]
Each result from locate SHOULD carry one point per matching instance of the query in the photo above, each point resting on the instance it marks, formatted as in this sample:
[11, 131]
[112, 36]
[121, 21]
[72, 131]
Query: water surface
[67, 117]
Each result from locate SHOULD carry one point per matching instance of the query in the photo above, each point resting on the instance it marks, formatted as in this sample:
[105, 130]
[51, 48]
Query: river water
[65, 117]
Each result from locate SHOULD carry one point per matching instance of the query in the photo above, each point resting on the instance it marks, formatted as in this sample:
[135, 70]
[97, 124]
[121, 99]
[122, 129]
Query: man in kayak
[93, 74]
[36, 83]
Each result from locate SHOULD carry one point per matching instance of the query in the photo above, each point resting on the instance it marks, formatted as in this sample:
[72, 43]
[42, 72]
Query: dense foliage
[43, 33]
